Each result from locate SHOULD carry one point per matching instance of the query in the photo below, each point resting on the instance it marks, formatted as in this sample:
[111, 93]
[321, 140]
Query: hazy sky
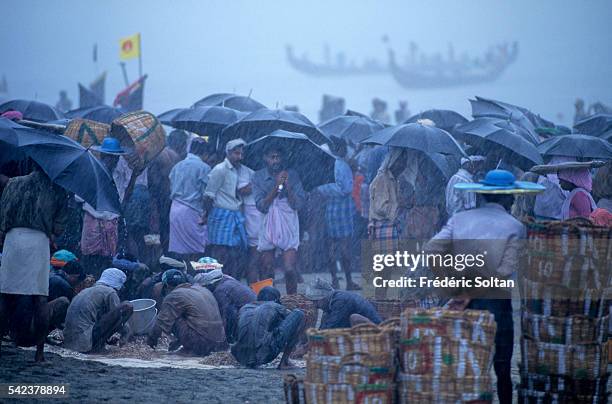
[194, 48]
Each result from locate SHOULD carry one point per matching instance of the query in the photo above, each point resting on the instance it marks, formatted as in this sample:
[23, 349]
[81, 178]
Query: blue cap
[110, 145]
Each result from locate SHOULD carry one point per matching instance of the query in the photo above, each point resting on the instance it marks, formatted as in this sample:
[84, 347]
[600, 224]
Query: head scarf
[269, 294]
[232, 144]
[113, 277]
[580, 177]
[319, 289]
[173, 277]
[601, 217]
[557, 160]
[209, 278]
[62, 257]
[12, 115]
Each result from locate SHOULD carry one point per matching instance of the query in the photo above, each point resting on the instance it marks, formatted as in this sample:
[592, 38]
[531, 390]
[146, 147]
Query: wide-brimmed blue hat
[500, 182]
[110, 145]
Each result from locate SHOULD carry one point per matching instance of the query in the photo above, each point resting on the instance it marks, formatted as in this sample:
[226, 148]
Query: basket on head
[86, 132]
[142, 132]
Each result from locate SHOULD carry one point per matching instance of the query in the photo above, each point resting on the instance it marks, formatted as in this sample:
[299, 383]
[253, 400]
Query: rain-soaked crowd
[198, 222]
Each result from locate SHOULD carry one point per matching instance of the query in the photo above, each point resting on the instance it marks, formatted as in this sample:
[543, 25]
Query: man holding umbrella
[279, 195]
[33, 211]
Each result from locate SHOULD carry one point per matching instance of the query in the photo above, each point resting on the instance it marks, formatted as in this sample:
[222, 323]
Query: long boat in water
[437, 73]
[338, 68]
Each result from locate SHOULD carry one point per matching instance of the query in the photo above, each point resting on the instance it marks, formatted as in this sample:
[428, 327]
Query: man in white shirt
[457, 200]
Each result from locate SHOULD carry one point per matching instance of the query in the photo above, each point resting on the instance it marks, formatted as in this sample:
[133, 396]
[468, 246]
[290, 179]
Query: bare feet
[39, 356]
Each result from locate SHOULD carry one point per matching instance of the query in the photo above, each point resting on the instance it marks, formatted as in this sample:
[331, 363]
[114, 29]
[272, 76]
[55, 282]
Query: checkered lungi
[339, 214]
[226, 227]
[385, 237]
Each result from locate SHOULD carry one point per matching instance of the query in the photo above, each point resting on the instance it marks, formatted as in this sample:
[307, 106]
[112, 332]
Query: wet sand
[93, 381]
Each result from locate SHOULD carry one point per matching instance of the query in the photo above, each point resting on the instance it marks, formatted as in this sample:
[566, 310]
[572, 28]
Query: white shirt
[459, 200]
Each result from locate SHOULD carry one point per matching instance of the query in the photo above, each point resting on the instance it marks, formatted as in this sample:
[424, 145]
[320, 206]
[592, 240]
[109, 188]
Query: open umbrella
[443, 118]
[460, 130]
[314, 165]
[166, 117]
[99, 113]
[350, 128]
[228, 100]
[428, 139]
[265, 121]
[594, 125]
[502, 137]
[483, 107]
[66, 162]
[205, 121]
[32, 110]
[580, 146]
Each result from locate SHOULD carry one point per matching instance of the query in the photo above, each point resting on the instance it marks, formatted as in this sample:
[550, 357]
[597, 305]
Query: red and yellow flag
[129, 47]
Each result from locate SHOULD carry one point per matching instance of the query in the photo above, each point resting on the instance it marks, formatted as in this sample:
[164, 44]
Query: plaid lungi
[226, 227]
[385, 237]
[339, 214]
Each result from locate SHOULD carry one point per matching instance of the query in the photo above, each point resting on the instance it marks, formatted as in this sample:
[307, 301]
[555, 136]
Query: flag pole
[125, 77]
[139, 57]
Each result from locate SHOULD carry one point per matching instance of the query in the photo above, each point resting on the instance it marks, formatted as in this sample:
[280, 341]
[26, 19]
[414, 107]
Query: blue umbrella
[443, 118]
[32, 110]
[594, 125]
[580, 146]
[228, 100]
[351, 128]
[66, 162]
[99, 113]
[166, 117]
[205, 121]
[483, 107]
[265, 121]
[415, 136]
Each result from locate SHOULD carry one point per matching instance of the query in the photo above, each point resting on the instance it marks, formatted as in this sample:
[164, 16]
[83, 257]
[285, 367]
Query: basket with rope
[367, 338]
[355, 368]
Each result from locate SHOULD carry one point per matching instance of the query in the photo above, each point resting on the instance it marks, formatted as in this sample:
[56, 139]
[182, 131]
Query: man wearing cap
[341, 309]
[191, 314]
[230, 294]
[188, 179]
[32, 212]
[265, 329]
[456, 200]
[491, 229]
[96, 313]
[279, 196]
[223, 203]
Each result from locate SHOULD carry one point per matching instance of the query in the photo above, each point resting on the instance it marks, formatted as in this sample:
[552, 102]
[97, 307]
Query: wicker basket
[559, 301]
[445, 357]
[564, 384]
[565, 330]
[356, 368]
[526, 396]
[427, 384]
[412, 397]
[300, 301]
[294, 390]
[577, 361]
[366, 338]
[317, 393]
[141, 131]
[472, 325]
[86, 132]
[390, 308]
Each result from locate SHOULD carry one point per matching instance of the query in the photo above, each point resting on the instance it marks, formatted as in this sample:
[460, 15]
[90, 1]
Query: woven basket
[565, 330]
[317, 393]
[577, 361]
[573, 253]
[86, 132]
[356, 368]
[559, 301]
[142, 132]
[342, 341]
[412, 397]
[427, 384]
[445, 357]
[300, 301]
[473, 325]
[564, 384]
[389, 308]
[526, 396]
[294, 390]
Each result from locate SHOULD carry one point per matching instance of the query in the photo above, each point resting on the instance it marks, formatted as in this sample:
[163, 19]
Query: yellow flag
[129, 47]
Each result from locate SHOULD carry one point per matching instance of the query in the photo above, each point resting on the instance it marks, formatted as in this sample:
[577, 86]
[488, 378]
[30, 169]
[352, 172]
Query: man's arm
[295, 192]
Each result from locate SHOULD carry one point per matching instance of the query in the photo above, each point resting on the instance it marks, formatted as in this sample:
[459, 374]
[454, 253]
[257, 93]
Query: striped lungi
[25, 263]
[226, 227]
[385, 237]
[339, 214]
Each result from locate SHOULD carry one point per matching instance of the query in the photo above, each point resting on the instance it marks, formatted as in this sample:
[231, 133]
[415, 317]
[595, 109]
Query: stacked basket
[564, 321]
[350, 365]
[446, 356]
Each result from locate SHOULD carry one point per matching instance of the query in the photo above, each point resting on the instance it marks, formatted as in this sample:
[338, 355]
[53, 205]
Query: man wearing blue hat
[491, 228]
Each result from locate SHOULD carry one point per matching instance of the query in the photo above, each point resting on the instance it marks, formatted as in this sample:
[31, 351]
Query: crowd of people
[67, 265]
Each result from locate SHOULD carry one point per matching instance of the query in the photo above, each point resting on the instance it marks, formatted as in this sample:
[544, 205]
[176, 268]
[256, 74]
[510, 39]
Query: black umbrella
[502, 137]
[32, 110]
[99, 113]
[314, 165]
[266, 121]
[580, 146]
[205, 121]
[351, 128]
[166, 117]
[228, 100]
[428, 139]
[66, 162]
[482, 107]
[443, 118]
[594, 125]
[460, 130]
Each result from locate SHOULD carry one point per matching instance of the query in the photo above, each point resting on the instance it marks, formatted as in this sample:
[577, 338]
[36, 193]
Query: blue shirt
[343, 186]
[188, 180]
